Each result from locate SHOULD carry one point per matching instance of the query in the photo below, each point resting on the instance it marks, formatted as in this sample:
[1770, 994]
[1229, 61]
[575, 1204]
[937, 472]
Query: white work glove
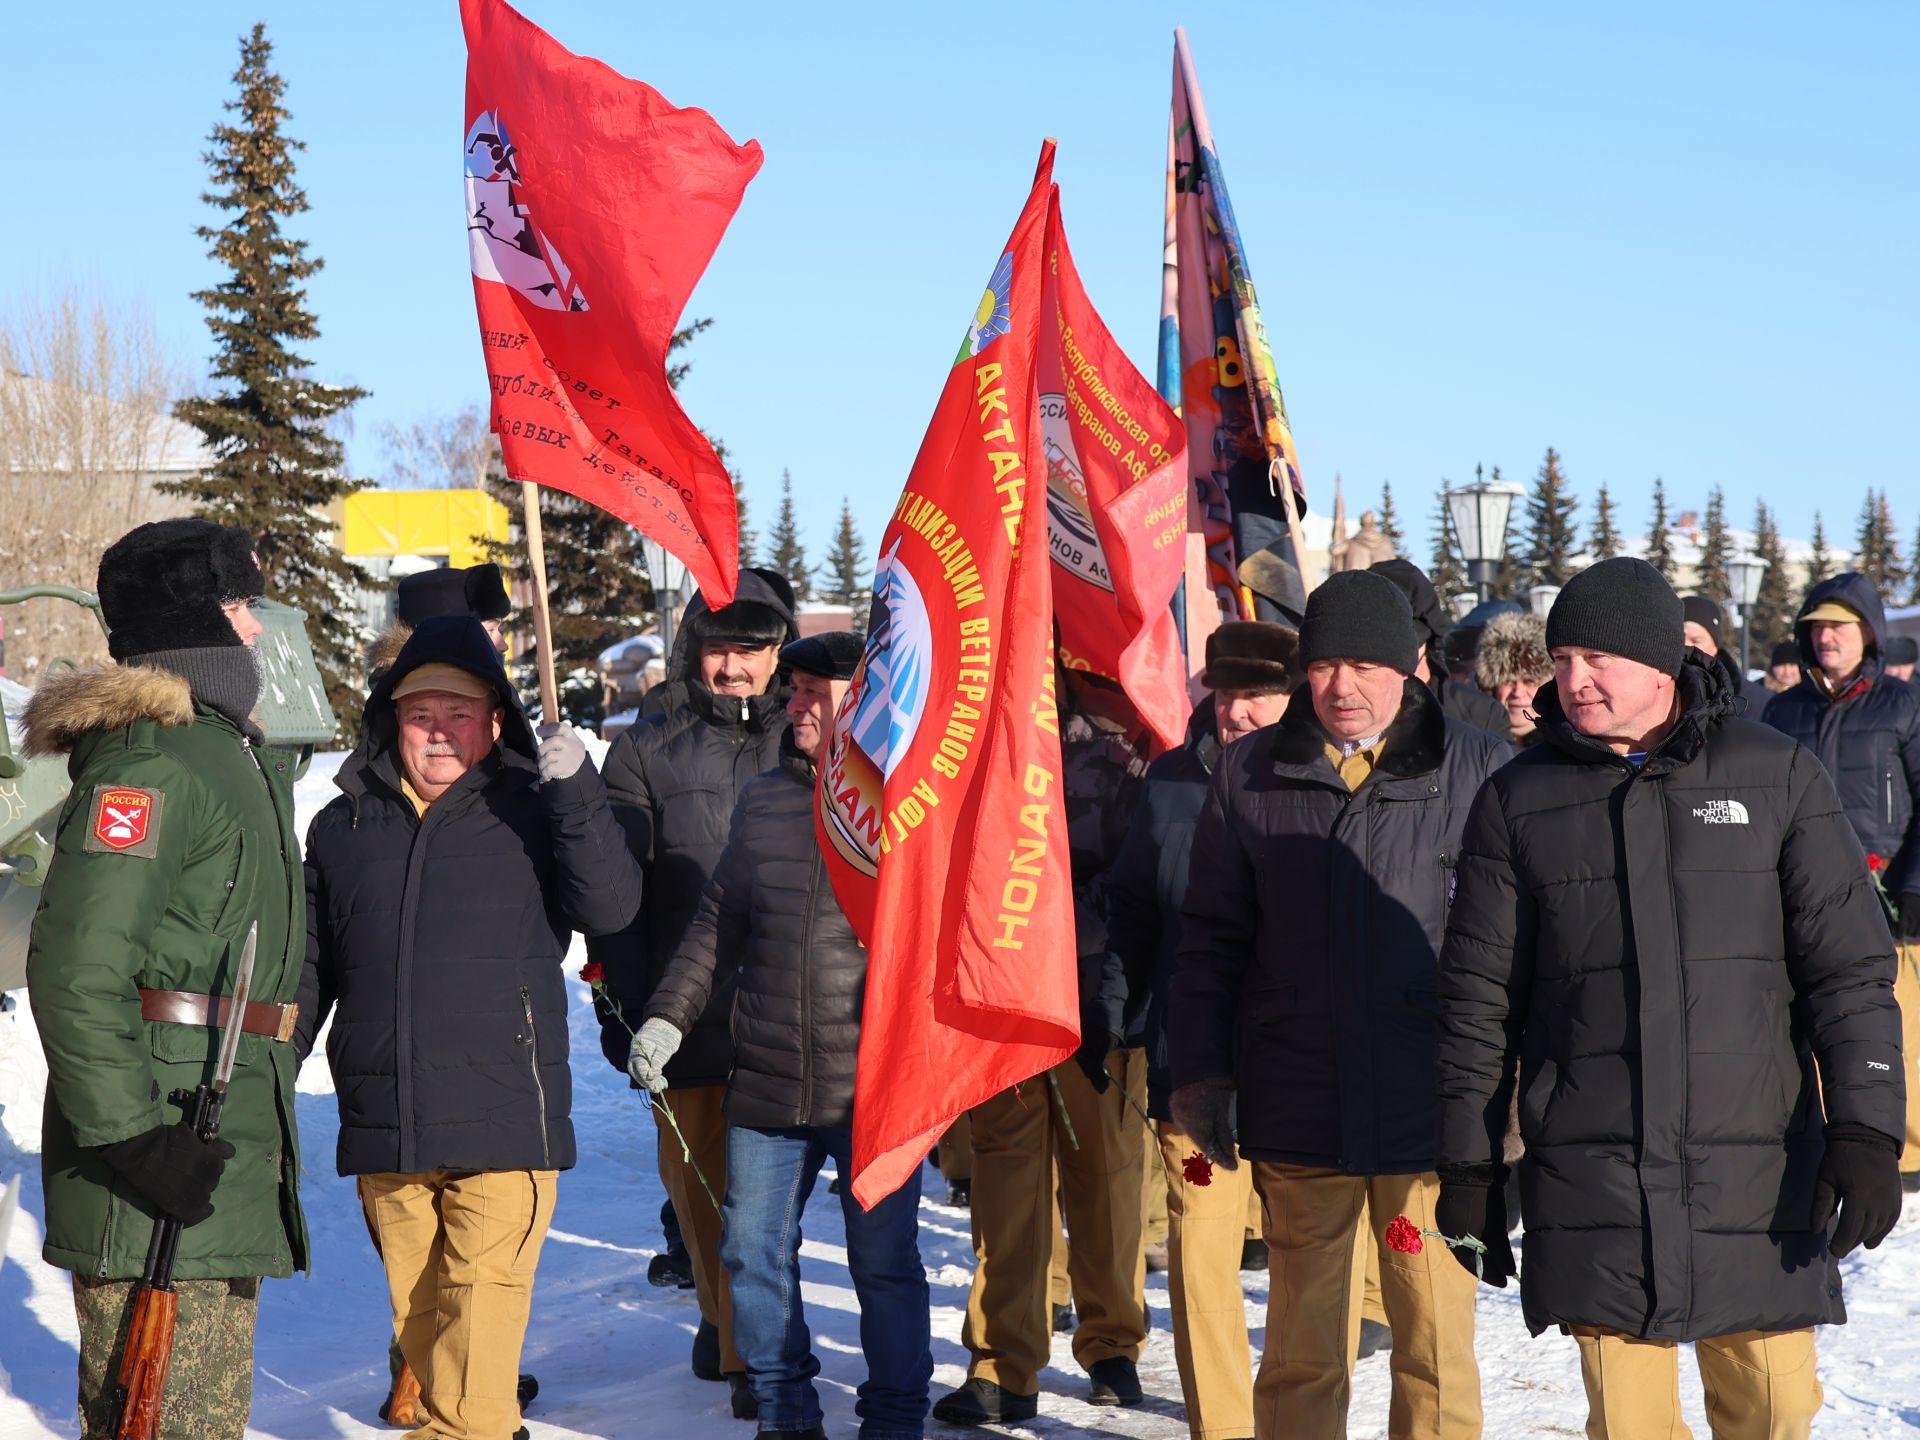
[562, 752]
[652, 1048]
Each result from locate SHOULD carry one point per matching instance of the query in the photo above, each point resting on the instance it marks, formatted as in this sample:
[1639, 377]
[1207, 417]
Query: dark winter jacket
[769, 917]
[437, 940]
[1310, 934]
[169, 912]
[1466, 702]
[1749, 697]
[673, 778]
[1144, 890]
[1101, 774]
[1868, 737]
[1665, 951]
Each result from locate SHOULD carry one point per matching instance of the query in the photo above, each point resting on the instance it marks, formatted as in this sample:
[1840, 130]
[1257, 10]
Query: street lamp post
[1479, 514]
[1744, 574]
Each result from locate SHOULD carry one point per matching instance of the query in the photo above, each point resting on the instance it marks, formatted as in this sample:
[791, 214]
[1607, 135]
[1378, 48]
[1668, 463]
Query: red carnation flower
[1196, 1169]
[1403, 1235]
[1876, 863]
[592, 972]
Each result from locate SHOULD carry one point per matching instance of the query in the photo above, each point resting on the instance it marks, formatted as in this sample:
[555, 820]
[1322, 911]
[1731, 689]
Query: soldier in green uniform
[177, 837]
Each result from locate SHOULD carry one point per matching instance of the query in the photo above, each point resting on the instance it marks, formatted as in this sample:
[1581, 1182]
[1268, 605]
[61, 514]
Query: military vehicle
[293, 712]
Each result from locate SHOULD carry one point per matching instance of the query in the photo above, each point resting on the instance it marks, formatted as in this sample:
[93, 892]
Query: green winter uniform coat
[158, 894]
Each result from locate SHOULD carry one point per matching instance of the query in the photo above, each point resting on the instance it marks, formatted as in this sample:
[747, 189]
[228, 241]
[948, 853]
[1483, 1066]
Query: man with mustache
[442, 887]
[1865, 726]
[673, 778]
[1304, 992]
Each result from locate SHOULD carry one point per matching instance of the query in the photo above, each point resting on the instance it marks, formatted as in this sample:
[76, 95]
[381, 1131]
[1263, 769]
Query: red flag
[939, 808]
[1116, 503]
[593, 206]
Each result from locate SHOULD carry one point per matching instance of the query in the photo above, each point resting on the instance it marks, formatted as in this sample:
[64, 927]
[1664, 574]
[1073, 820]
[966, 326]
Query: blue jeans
[770, 1174]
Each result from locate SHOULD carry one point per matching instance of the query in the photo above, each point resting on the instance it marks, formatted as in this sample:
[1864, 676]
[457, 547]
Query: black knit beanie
[1358, 615]
[1705, 611]
[1622, 607]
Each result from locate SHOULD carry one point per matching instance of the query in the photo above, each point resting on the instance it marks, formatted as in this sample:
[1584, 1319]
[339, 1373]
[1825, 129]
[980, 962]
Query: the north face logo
[1721, 812]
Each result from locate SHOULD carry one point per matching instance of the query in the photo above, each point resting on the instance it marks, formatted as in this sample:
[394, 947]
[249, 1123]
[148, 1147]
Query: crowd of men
[1425, 931]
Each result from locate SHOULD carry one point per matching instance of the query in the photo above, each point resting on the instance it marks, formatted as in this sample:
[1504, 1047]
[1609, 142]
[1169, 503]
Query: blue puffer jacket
[1868, 736]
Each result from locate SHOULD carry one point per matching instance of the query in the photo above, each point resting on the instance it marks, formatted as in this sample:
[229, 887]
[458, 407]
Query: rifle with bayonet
[149, 1346]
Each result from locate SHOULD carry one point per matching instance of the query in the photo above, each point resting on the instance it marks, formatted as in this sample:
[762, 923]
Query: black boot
[812, 1432]
[706, 1353]
[1253, 1254]
[1115, 1382]
[527, 1389]
[1374, 1337]
[740, 1396]
[1063, 1321]
[981, 1402]
[960, 1194]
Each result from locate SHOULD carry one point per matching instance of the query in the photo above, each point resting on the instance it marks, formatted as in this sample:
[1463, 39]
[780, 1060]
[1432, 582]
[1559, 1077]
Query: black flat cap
[832, 654]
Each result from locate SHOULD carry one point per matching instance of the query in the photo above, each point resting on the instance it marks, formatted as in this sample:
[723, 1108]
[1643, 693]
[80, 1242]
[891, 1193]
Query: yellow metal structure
[458, 524]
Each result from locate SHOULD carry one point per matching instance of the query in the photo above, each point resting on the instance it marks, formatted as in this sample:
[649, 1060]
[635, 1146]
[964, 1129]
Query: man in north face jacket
[1305, 991]
[1663, 918]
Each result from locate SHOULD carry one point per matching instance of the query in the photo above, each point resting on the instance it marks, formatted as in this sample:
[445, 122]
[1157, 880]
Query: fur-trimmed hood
[386, 648]
[70, 705]
[1512, 647]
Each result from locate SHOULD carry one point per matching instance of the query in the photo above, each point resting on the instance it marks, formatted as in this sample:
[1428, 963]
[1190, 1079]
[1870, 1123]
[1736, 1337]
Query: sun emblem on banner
[993, 317]
[880, 715]
[502, 241]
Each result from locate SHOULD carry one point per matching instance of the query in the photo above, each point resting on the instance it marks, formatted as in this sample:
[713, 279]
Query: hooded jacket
[673, 779]
[768, 916]
[1665, 950]
[436, 940]
[1868, 737]
[1310, 933]
[170, 911]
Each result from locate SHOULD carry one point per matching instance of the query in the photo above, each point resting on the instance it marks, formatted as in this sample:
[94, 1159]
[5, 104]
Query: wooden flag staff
[542, 622]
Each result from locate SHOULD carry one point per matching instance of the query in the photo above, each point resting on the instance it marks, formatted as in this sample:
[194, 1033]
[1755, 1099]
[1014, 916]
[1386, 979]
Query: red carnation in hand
[592, 972]
[1403, 1235]
[1876, 863]
[1196, 1169]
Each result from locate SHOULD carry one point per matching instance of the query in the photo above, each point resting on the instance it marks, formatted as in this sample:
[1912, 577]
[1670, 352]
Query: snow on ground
[611, 1351]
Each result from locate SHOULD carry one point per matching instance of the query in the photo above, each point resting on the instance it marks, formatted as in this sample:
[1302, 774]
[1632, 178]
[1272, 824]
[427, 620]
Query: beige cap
[445, 678]
[1833, 610]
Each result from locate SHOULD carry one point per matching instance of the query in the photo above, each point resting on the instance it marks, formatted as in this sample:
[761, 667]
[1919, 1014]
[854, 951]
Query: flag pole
[542, 622]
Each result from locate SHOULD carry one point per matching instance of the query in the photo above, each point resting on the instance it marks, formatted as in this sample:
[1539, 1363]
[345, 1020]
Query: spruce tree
[1659, 537]
[847, 581]
[1445, 568]
[1819, 558]
[1603, 541]
[786, 554]
[1870, 542]
[1913, 594]
[275, 469]
[1716, 550]
[1390, 521]
[1774, 608]
[1551, 539]
[1893, 568]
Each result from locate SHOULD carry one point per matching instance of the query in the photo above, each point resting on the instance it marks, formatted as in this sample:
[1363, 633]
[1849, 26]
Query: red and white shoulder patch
[125, 821]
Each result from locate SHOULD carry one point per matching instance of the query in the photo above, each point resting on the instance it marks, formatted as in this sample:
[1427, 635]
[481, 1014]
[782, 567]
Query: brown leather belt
[179, 1007]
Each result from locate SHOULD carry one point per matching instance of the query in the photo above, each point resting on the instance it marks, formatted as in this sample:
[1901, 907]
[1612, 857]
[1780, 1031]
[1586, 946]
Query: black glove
[1860, 1177]
[1096, 1043]
[1204, 1109]
[172, 1168]
[1473, 1204]
[1909, 927]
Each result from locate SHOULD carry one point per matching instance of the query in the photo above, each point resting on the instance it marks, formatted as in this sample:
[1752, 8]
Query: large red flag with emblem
[593, 206]
[1116, 503]
[939, 806]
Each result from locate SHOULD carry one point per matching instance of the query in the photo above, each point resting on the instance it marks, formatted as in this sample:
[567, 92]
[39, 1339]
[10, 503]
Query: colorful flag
[1215, 363]
[593, 206]
[1116, 503]
[939, 808]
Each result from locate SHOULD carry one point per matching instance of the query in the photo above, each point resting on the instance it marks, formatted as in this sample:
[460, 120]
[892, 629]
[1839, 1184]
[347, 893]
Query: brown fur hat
[1512, 647]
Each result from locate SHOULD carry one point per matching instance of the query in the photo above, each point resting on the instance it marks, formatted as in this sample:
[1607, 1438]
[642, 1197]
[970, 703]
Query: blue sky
[1665, 239]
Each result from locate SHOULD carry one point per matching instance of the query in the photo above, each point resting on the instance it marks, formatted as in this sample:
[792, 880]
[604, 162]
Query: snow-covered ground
[611, 1351]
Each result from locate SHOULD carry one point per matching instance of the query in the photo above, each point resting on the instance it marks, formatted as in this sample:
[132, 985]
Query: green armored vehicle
[293, 712]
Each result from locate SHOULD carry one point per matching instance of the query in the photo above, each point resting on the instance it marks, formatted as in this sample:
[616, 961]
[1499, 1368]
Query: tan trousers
[1372, 1307]
[1008, 1330]
[1906, 994]
[1205, 1234]
[955, 1151]
[1305, 1380]
[701, 1111]
[1156, 1219]
[1059, 1279]
[460, 1249]
[1760, 1385]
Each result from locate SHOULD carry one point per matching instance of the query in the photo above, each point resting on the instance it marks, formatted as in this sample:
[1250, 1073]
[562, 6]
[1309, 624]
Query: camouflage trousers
[210, 1377]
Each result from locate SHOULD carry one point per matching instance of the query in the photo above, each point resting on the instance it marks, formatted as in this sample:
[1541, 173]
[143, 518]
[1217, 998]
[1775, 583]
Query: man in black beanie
[1451, 680]
[176, 842]
[1662, 924]
[1704, 628]
[1304, 991]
